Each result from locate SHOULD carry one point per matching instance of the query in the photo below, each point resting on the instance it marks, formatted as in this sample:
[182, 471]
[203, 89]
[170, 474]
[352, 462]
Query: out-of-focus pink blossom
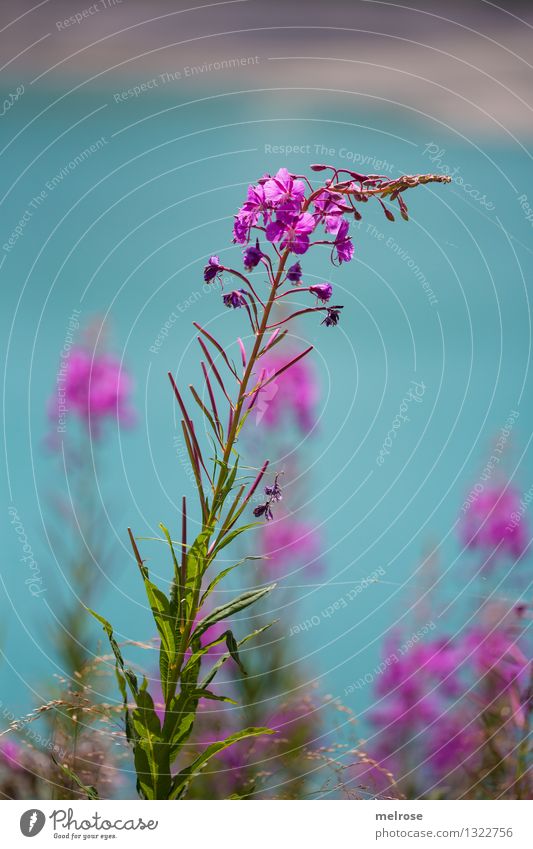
[11, 754]
[500, 665]
[495, 520]
[292, 395]
[290, 542]
[93, 387]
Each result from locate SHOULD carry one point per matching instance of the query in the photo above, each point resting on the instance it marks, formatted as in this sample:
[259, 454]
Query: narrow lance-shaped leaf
[216, 580]
[225, 657]
[214, 427]
[226, 611]
[287, 366]
[196, 470]
[90, 791]
[232, 535]
[217, 345]
[163, 618]
[182, 779]
[151, 754]
[212, 400]
[215, 371]
[189, 425]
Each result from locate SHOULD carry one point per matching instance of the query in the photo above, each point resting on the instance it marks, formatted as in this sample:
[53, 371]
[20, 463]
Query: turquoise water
[125, 233]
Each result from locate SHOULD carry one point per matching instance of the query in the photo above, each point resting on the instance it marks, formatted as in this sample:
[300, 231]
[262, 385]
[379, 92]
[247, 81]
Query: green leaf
[151, 754]
[90, 791]
[233, 648]
[183, 778]
[164, 621]
[179, 721]
[199, 653]
[202, 693]
[197, 563]
[222, 660]
[122, 671]
[176, 589]
[226, 611]
[231, 536]
[216, 580]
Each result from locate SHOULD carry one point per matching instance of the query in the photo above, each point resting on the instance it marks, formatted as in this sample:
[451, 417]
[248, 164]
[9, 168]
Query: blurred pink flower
[495, 519]
[288, 542]
[294, 394]
[92, 387]
[11, 754]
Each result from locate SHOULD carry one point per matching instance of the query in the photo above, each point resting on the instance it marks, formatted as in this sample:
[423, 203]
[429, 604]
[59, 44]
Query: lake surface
[440, 303]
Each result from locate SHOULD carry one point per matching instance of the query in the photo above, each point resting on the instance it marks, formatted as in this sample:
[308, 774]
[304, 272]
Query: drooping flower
[93, 387]
[273, 494]
[213, 269]
[292, 232]
[343, 245]
[333, 315]
[323, 291]
[495, 523]
[263, 510]
[252, 256]
[234, 299]
[294, 274]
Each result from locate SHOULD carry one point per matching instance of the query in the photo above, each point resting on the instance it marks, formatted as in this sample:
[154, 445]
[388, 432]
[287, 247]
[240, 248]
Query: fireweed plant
[274, 693]
[283, 217]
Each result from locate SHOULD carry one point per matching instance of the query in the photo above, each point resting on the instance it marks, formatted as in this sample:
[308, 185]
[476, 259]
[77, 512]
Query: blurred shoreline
[464, 63]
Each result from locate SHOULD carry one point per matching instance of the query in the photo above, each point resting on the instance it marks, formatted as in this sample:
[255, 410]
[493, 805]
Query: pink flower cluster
[279, 204]
[430, 700]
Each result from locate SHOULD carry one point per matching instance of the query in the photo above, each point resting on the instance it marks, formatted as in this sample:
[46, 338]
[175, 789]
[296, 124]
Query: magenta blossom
[494, 523]
[323, 291]
[292, 232]
[497, 653]
[329, 210]
[11, 754]
[343, 245]
[254, 208]
[283, 193]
